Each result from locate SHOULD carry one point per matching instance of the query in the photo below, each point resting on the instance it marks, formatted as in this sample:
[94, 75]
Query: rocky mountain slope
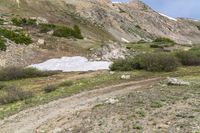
[130, 21]
[101, 22]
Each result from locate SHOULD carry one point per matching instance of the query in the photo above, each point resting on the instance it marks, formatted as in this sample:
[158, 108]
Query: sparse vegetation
[66, 83]
[51, 88]
[23, 22]
[138, 127]
[163, 40]
[13, 94]
[156, 104]
[16, 73]
[2, 85]
[2, 44]
[18, 38]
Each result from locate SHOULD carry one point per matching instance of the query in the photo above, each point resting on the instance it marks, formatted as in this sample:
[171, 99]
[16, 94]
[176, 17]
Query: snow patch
[168, 17]
[18, 2]
[125, 40]
[72, 64]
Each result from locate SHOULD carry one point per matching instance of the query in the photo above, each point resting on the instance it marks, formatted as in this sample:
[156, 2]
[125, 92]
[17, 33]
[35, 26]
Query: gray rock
[125, 76]
[112, 101]
[41, 41]
[174, 81]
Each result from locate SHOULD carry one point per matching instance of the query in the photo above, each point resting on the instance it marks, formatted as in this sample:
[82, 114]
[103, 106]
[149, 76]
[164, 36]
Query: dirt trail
[32, 120]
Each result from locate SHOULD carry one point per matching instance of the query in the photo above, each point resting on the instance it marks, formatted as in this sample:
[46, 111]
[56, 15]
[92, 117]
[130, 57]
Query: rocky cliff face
[128, 22]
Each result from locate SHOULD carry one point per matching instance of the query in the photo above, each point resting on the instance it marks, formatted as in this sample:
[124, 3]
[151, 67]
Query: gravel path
[34, 120]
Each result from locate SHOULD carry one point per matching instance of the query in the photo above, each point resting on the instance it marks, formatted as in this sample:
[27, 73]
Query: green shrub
[155, 46]
[19, 38]
[50, 88]
[44, 28]
[23, 22]
[157, 62]
[163, 40]
[189, 58]
[2, 44]
[137, 26]
[123, 65]
[15, 73]
[161, 45]
[61, 31]
[13, 94]
[77, 32]
[149, 61]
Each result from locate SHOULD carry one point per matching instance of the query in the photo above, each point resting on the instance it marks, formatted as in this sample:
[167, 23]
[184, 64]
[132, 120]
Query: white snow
[168, 17]
[18, 2]
[125, 40]
[72, 64]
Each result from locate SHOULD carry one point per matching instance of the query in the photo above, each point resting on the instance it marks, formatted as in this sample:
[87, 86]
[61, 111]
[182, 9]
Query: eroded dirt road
[45, 118]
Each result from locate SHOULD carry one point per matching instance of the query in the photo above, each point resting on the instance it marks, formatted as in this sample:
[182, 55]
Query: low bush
[62, 31]
[137, 26]
[77, 32]
[189, 58]
[44, 28]
[123, 65]
[23, 22]
[18, 38]
[155, 62]
[161, 45]
[163, 40]
[15, 73]
[156, 46]
[2, 44]
[13, 94]
[50, 88]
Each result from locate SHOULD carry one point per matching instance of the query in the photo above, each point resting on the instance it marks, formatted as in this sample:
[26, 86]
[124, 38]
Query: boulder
[41, 41]
[174, 81]
[112, 101]
[125, 76]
